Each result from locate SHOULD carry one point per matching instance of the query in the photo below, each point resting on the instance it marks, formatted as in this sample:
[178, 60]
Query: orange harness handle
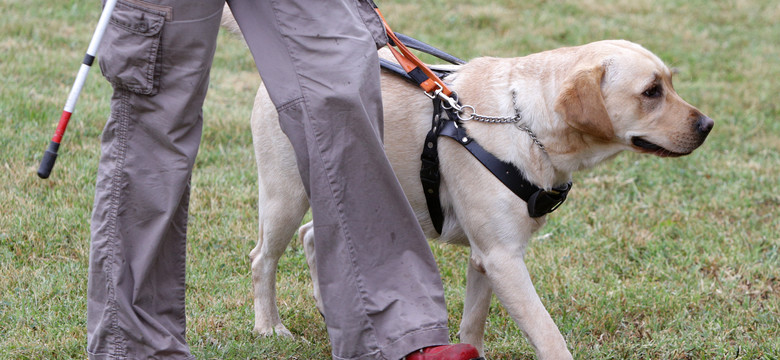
[428, 81]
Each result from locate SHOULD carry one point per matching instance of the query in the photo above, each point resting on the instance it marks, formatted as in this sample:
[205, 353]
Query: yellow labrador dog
[584, 104]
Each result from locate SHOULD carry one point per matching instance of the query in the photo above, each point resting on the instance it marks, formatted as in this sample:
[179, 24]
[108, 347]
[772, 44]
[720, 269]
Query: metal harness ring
[464, 115]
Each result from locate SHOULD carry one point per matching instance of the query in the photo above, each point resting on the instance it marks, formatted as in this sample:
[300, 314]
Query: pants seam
[118, 346]
[183, 258]
[290, 104]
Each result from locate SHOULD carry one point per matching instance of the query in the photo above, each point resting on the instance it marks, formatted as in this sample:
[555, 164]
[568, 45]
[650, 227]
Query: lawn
[649, 258]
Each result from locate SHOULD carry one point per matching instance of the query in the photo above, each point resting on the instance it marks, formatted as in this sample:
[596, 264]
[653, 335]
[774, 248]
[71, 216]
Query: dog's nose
[704, 124]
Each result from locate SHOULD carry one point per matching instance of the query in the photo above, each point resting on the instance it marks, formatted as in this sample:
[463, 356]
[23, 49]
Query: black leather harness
[445, 122]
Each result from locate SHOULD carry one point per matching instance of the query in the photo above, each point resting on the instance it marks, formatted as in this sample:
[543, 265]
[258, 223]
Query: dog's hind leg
[276, 231]
[475, 306]
[282, 204]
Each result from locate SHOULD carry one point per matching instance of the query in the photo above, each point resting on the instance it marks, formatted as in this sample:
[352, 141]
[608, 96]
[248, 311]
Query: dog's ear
[581, 103]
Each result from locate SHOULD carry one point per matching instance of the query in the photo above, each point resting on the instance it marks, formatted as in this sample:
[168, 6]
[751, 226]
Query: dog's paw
[278, 330]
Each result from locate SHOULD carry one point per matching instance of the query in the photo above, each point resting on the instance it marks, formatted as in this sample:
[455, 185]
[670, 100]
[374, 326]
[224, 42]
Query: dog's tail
[229, 22]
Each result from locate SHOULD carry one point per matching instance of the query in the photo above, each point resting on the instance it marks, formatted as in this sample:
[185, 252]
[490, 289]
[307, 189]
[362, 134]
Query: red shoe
[446, 352]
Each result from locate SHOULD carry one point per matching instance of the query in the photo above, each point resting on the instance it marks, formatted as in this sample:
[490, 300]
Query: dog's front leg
[509, 277]
[475, 306]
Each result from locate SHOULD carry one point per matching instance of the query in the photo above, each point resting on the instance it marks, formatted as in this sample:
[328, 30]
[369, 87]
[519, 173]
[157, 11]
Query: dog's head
[620, 92]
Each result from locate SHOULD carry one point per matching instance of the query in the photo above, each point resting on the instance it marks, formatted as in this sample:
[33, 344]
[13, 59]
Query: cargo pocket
[130, 56]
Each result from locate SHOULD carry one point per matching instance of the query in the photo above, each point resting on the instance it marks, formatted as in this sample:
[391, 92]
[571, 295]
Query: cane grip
[47, 163]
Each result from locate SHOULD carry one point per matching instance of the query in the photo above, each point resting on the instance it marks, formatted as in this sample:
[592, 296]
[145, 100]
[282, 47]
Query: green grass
[649, 259]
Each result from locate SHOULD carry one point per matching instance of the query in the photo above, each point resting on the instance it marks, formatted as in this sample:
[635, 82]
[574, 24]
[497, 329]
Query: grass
[649, 259]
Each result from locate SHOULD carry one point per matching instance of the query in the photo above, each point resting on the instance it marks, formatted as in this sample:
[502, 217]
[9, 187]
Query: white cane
[49, 157]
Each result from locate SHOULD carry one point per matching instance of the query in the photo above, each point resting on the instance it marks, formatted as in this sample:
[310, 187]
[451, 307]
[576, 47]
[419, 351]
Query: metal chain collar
[468, 113]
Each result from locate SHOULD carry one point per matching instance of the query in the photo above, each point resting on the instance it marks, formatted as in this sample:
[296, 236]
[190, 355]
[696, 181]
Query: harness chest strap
[539, 201]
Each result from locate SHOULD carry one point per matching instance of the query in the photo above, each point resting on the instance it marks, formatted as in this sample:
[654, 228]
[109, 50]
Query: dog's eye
[653, 92]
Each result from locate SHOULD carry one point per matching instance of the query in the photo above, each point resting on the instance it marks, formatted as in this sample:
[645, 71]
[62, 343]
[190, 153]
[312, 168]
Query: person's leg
[381, 289]
[157, 56]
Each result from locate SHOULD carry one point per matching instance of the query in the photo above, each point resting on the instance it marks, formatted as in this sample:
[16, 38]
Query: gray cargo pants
[382, 292]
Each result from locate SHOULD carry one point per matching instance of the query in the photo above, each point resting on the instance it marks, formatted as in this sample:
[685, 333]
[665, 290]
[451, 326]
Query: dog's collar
[515, 119]
[539, 201]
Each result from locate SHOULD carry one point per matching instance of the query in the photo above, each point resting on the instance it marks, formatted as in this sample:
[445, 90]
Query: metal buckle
[435, 93]
[451, 102]
[544, 202]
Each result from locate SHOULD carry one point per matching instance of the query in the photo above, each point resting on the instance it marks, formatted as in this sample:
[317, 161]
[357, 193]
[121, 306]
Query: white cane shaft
[105, 16]
[97, 37]
[75, 91]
